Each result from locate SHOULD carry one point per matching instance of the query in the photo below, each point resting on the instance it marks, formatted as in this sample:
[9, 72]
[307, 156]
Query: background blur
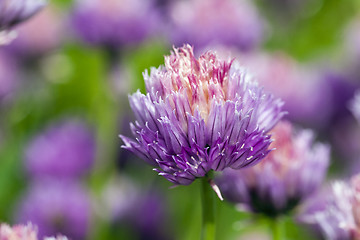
[64, 84]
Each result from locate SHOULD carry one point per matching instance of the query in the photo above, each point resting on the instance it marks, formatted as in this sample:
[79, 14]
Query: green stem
[208, 210]
[277, 228]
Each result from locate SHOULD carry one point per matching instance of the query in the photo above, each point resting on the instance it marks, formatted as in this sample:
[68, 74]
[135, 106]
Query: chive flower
[282, 180]
[201, 114]
[335, 212]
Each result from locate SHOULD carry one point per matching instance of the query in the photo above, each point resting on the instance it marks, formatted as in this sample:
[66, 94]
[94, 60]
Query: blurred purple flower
[57, 207]
[65, 149]
[284, 178]
[298, 85]
[200, 115]
[336, 211]
[113, 22]
[49, 30]
[23, 232]
[13, 12]
[204, 22]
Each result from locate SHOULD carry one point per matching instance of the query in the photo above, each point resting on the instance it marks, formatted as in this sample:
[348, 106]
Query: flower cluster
[200, 115]
[284, 178]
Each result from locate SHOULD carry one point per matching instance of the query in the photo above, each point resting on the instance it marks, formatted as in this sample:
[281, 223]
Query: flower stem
[208, 210]
[277, 228]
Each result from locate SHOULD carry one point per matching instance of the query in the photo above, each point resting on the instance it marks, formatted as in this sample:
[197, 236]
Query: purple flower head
[336, 211]
[65, 149]
[284, 178]
[57, 207]
[113, 22]
[200, 115]
[228, 22]
[13, 12]
[23, 232]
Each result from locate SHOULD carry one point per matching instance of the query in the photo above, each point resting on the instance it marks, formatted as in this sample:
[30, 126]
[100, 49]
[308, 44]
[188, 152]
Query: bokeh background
[64, 83]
